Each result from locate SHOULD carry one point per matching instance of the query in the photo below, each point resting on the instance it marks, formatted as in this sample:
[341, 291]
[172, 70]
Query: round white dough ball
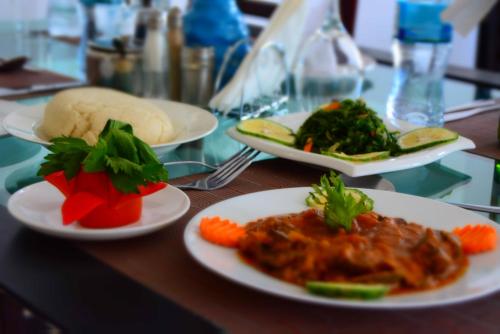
[83, 112]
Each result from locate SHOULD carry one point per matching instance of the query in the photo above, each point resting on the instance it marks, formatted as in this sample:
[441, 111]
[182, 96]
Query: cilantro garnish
[127, 160]
[341, 206]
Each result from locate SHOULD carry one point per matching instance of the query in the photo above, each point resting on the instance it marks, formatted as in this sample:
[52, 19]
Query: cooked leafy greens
[341, 207]
[348, 126]
[127, 160]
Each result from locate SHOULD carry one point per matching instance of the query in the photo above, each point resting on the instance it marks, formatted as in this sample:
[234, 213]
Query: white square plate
[295, 120]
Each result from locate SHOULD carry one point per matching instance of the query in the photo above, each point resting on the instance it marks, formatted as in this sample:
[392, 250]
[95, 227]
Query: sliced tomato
[108, 217]
[92, 200]
[58, 180]
[78, 205]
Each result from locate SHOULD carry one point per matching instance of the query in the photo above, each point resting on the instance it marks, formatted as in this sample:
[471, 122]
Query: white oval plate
[481, 278]
[190, 123]
[295, 120]
[38, 206]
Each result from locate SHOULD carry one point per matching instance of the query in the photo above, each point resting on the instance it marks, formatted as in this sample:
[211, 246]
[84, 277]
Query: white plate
[481, 278]
[38, 206]
[190, 123]
[295, 120]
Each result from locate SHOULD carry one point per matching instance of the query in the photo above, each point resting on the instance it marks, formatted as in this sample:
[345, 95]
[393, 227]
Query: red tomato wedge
[92, 200]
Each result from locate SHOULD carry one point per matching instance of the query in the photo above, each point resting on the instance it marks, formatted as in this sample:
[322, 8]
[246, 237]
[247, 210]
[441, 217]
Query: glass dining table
[462, 177]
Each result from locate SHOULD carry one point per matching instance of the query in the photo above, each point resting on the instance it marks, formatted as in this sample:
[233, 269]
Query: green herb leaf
[341, 207]
[67, 155]
[128, 161]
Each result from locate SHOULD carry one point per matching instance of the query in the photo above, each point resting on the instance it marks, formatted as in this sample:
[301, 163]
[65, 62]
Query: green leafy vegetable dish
[347, 130]
[349, 127]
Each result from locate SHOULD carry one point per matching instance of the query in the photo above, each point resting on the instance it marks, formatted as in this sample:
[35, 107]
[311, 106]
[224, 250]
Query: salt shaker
[175, 41]
[197, 75]
[155, 57]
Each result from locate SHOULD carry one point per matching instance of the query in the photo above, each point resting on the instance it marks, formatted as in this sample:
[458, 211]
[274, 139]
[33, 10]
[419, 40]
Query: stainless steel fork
[224, 174]
[204, 164]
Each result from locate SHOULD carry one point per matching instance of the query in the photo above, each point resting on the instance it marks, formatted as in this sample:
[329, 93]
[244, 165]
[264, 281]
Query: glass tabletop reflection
[458, 177]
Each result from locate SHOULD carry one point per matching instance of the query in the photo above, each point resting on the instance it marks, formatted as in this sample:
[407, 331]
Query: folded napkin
[464, 15]
[261, 73]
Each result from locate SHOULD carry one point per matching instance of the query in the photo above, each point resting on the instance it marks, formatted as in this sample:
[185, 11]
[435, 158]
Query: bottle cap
[421, 22]
[175, 18]
[156, 20]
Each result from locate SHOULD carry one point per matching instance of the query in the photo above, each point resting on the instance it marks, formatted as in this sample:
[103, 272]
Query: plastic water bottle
[218, 24]
[420, 50]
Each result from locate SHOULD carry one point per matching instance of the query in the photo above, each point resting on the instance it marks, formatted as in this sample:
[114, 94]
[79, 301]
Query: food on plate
[267, 129]
[221, 231]
[103, 184]
[349, 127]
[348, 290]
[341, 248]
[347, 130]
[425, 137]
[372, 156]
[476, 238]
[83, 112]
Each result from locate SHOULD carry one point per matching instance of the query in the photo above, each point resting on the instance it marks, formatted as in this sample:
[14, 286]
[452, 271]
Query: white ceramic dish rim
[29, 128]
[354, 169]
[123, 232]
[238, 206]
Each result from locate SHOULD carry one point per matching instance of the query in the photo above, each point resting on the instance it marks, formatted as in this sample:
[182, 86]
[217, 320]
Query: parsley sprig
[127, 160]
[341, 207]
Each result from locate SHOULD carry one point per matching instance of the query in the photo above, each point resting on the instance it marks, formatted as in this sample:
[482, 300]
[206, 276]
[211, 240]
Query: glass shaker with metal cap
[155, 57]
[197, 75]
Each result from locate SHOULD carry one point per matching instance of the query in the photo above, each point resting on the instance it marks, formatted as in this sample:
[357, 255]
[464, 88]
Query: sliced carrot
[222, 232]
[368, 219]
[476, 238]
[308, 147]
[332, 106]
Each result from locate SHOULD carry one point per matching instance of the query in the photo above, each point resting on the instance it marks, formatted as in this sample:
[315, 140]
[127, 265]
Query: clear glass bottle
[330, 65]
[421, 48]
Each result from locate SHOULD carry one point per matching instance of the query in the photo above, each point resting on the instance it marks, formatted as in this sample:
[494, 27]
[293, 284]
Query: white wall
[375, 25]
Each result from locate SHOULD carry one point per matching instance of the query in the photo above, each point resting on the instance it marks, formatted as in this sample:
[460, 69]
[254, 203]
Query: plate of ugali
[83, 112]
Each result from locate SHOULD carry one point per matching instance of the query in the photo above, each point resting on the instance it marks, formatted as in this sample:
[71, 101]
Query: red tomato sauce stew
[300, 247]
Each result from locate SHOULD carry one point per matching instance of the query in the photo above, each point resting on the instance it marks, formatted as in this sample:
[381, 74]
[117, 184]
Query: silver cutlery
[477, 207]
[204, 164]
[224, 174]
[471, 109]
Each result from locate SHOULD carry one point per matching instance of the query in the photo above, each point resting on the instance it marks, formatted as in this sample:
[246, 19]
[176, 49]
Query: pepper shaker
[197, 75]
[175, 42]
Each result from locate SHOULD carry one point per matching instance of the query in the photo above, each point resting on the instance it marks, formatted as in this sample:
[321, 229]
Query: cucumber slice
[348, 290]
[425, 137]
[267, 129]
[359, 157]
[317, 201]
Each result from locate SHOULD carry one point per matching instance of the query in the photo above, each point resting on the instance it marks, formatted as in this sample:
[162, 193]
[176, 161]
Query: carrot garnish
[476, 238]
[332, 106]
[222, 232]
[308, 147]
[368, 219]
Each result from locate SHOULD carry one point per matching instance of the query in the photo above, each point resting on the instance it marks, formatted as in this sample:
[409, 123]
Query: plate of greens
[348, 137]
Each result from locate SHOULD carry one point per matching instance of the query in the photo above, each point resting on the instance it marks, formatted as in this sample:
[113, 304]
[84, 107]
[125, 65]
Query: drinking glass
[329, 65]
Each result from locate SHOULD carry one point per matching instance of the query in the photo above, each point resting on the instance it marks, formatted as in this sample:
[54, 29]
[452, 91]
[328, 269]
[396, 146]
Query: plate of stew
[411, 248]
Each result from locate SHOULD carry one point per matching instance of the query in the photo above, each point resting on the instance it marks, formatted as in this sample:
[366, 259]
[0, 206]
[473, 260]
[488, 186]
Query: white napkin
[464, 15]
[262, 73]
